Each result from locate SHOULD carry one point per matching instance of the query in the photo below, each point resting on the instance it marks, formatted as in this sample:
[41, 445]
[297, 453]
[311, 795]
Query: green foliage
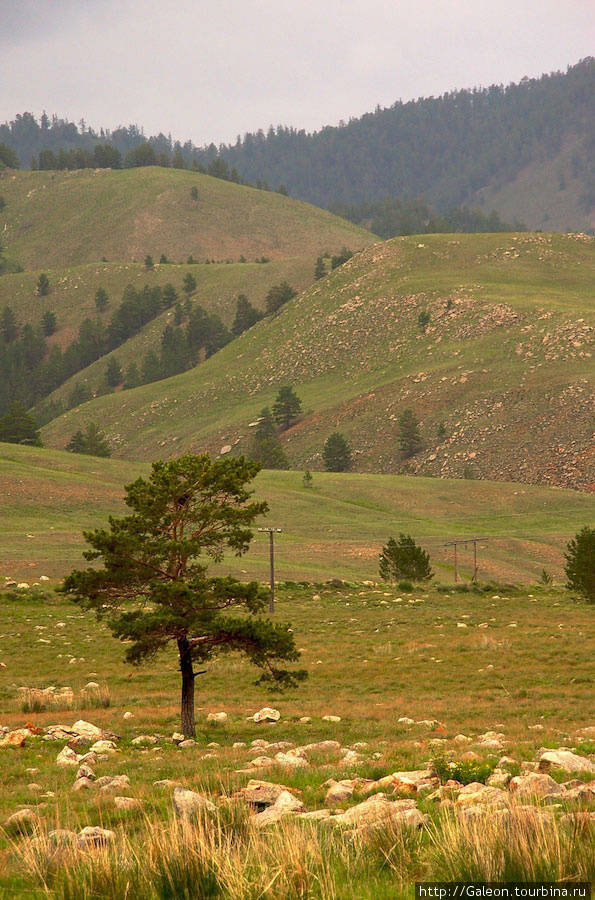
[9, 328]
[268, 452]
[410, 441]
[92, 442]
[423, 320]
[464, 772]
[246, 316]
[545, 577]
[266, 425]
[319, 269]
[336, 453]
[580, 563]
[132, 378]
[189, 283]
[403, 559]
[194, 193]
[341, 258]
[8, 158]
[287, 407]
[307, 480]
[43, 285]
[154, 590]
[149, 261]
[113, 372]
[278, 296]
[79, 394]
[441, 431]
[101, 300]
[48, 322]
[18, 427]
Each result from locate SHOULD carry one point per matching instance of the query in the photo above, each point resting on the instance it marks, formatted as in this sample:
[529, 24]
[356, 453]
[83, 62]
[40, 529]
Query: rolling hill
[62, 219]
[47, 497]
[506, 365]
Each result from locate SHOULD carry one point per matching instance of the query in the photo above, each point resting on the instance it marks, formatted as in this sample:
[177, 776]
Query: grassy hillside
[506, 364]
[62, 219]
[334, 529]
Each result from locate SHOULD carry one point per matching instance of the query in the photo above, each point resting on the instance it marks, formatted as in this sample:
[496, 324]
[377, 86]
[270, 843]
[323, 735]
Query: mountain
[524, 150]
[48, 497]
[501, 379]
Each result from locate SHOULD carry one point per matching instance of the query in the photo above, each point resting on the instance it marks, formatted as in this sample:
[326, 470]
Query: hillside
[506, 365]
[48, 497]
[63, 219]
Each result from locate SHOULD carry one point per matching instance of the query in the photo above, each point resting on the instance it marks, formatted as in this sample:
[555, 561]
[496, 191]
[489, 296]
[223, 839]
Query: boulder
[86, 729]
[262, 762]
[338, 793]
[331, 718]
[67, 757]
[93, 836]
[333, 747]
[166, 783]
[219, 717]
[188, 742]
[267, 714]
[291, 760]
[479, 794]
[285, 805]
[127, 803]
[316, 814]
[103, 746]
[262, 793]
[415, 780]
[113, 782]
[188, 803]
[534, 785]
[85, 771]
[82, 784]
[565, 760]
[128, 715]
[144, 740]
[378, 810]
[22, 821]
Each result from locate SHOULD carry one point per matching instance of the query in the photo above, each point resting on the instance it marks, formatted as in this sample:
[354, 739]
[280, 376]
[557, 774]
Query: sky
[208, 71]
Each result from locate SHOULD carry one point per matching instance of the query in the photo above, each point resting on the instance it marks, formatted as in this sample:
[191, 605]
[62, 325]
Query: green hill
[506, 365]
[62, 219]
[334, 529]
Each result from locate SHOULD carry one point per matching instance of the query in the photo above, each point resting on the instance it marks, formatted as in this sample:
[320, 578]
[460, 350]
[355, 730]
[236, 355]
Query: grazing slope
[506, 364]
[61, 219]
[47, 497]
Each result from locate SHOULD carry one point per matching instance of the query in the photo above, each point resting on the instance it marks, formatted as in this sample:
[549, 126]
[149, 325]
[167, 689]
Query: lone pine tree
[336, 453]
[286, 408]
[580, 563]
[403, 559]
[410, 441]
[154, 590]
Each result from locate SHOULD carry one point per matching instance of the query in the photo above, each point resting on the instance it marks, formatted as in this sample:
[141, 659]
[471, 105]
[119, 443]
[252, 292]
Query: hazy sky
[210, 70]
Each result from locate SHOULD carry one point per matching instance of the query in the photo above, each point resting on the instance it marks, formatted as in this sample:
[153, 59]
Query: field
[506, 364]
[516, 663]
[334, 529]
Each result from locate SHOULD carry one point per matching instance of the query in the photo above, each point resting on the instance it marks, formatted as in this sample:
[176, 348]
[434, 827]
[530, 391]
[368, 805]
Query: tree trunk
[188, 676]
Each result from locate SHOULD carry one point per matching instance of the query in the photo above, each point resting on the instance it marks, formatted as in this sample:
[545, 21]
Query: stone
[378, 810]
[67, 757]
[220, 717]
[475, 794]
[565, 760]
[34, 787]
[267, 714]
[291, 760]
[188, 742]
[238, 745]
[534, 785]
[86, 771]
[328, 747]
[103, 746]
[91, 686]
[127, 803]
[78, 742]
[166, 783]
[316, 814]
[285, 805]
[499, 778]
[262, 793]
[113, 782]
[338, 793]
[262, 762]
[187, 803]
[177, 737]
[305, 720]
[144, 740]
[15, 738]
[23, 821]
[585, 792]
[414, 780]
[86, 729]
[331, 718]
[82, 784]
[213, 745]
[128, 715]
[462, 739]
[93, 836]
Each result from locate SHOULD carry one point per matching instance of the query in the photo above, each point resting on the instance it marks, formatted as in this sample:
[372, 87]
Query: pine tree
[268, 452]
[8, 325]
[336, 453]
[278, 296]
[266, 424]
[580, 564]
[307, 480]
[404, 560]
[43, 285]
[410, 441]
[95, 442]
[149, 261]
[151, 368]
[286, 408]
[101, 300]
[189, 283]
[48, 323]
[132, 378]
[423, 320]
[246, 316]
[194, 193]
[18, 427]
[319, 269]
[154, 576]
[113, 372]
[76, 443]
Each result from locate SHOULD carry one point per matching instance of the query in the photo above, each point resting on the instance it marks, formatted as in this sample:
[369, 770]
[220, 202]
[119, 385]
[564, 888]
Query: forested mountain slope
[502, 379]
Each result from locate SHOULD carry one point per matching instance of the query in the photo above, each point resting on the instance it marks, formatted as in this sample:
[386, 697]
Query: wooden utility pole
[271, 532]
[465, 541]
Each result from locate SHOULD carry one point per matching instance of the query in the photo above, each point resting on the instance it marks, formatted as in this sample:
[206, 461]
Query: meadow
[514, 663]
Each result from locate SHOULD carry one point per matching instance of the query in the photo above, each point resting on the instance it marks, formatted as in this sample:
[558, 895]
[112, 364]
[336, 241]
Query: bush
[404, 560]
[464, 772]
[580, 564]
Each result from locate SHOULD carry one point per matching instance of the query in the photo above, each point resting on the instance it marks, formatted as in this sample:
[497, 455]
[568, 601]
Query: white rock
[331, 718]
[220, 717]
[67, 757]
[267, 714]
[186, 803]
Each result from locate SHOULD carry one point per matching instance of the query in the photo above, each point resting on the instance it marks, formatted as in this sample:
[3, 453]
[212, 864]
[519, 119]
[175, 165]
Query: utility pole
[271, 532]
[465, 541]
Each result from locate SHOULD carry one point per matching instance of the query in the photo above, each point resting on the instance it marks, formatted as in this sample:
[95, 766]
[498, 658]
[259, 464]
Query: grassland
[520, 663]
[63, 219]
[506, 364]
[334, 529]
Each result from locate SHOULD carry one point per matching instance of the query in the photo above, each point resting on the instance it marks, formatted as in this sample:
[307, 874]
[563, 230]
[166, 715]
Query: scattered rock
[338, 793]
[187, 803]
[565, 760]
[144, 740]
[285, 805]
[262, 793]
[15, 738]
[378, 810]
[82, 784]
[267, 714]
[67, 757]
[93, 836]
[127, 803]
[534, 785]
[220, 717]
[23, 821]
[113, 782]
[331, 718]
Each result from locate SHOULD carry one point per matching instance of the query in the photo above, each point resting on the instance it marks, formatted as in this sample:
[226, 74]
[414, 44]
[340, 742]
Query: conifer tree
[18, 427]
[319, 269]
[101, 300]
[580, 563]
[410, 441]
[286, 408]
[246, 316]
[336, 453]
[404, 560]
[43, 285]
[189, 283]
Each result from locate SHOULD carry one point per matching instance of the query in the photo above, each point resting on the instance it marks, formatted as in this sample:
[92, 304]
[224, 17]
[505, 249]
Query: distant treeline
[392, 217]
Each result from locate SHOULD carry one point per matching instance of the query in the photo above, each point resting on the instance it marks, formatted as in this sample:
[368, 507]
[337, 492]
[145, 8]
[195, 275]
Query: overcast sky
[211, 70]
